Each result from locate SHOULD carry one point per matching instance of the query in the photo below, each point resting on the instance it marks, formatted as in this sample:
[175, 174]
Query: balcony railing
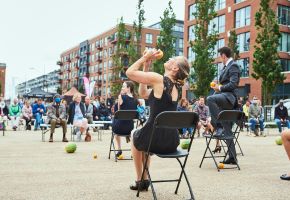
[99, 47]
[99, 58]
[59, 63]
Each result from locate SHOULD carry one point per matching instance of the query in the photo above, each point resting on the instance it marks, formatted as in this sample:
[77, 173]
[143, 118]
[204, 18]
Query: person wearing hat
[281, 116]
[56, 115]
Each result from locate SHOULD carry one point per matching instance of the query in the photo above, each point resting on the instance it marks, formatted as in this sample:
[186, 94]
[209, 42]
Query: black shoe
[285, 177]
[219, 132]
[229, 161]
[119, 153]
[143, 186]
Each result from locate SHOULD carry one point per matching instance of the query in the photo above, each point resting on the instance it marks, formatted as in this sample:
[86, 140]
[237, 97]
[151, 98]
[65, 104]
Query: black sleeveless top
[124, 127]
[164, 140]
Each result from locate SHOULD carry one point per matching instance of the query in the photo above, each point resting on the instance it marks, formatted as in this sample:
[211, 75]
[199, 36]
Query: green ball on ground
[185, 144]
[70, 147]
[279, 140]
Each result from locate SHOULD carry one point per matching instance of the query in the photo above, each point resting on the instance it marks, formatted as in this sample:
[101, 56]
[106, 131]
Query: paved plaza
[31, 169]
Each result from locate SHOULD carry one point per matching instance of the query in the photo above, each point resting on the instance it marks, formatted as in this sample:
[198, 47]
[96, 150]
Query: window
[284, 42]
[191, 35]
[220, 43]
[239, 1]
[283, 15]
[178, 28]
[192, 9]
[243, 41]
[217, 24]
[220, 4]
[243, 17]
[244, 66]
[149, 38]
[285, 65]
[191, 55]
[180, 43]
[180, 53]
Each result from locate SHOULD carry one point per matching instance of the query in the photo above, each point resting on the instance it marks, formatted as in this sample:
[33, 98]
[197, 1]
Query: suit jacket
[71, 111]
[230, 78]
[51, 112]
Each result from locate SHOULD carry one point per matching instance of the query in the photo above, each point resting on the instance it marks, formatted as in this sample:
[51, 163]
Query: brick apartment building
[240, 16]
[2, 79]
[93, 58]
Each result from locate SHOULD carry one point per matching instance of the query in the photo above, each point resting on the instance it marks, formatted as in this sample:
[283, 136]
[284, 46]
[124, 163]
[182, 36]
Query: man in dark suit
[225, 98]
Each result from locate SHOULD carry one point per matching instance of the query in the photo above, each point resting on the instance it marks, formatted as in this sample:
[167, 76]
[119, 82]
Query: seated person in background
[126, 101]
[27, 114]
[286, 144]
[89, 110]
[104, 113]
[109, 101]
[76, 116]
[56, 115]
[14, 112]
[142, 112]
[255, 117]
[281, 116]
[246, 112]
[38, 110]
[4, 113]
[184, 108]
[204, 117]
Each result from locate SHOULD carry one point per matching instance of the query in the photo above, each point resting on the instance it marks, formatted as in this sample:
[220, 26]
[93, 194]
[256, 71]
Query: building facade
[49, 83]
[239, 15]
[93, 58]
[2, 79]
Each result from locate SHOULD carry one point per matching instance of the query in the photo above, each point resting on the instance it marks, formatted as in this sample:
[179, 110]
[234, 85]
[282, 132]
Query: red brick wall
[2, 80]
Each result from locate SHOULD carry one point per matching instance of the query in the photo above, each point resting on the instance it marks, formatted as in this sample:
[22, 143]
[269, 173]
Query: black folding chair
[172, 120]
[231, 116]
[122, 115]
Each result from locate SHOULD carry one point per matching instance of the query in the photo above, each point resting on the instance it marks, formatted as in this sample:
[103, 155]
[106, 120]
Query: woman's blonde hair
[76, 96]
[183, 71]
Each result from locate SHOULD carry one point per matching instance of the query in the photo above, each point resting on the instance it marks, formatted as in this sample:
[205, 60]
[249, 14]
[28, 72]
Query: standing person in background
[126, 101]
[246, 112]
[27, 114]
[14, 112]
[255, 117]
[38, 110]
[281, 116]
[4, 113]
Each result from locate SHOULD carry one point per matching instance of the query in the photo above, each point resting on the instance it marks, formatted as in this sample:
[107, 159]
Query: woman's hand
[150, 55]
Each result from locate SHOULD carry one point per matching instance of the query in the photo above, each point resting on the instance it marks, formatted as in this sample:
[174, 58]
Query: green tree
[203, 46]
[134, 49]
[233, 45]
[166, 40]
[266, 59]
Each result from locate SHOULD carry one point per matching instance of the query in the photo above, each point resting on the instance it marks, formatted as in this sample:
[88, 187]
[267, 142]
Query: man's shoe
[285, 177]
[229, 161]
[64, 139]
[51, 139]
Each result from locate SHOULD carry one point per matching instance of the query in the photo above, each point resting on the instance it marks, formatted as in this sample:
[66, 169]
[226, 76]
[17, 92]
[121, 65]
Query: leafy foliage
[233, 45]
[266, 59]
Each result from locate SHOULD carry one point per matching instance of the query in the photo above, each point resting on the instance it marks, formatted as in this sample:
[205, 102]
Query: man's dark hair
[225, 50]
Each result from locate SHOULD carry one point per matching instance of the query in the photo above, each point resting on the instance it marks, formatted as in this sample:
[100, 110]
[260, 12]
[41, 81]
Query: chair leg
[43, 135]
[208, 148]
[143, 172]
[151, 185]
[237, 142]
[111, 143]
[185, 176]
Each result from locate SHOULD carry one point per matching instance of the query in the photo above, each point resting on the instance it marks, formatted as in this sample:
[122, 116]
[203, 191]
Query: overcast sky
[33, 33]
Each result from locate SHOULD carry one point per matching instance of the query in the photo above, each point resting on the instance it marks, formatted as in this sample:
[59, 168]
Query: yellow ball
[159, 55]
[221, 165]
[121, 157]
[212, 84]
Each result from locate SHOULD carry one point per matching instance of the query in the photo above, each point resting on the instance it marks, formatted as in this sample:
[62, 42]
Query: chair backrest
[230, 116]
[126, 115]
[176, 120]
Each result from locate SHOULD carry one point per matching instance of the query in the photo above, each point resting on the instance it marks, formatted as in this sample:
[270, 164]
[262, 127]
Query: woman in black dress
[162, 97]
[126, 101]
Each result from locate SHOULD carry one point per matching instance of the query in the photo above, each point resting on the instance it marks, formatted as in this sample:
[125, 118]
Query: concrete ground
[31, 169]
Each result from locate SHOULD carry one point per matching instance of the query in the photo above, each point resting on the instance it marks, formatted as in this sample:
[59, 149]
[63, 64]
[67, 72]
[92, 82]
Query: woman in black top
[126, 101]
[162, 97]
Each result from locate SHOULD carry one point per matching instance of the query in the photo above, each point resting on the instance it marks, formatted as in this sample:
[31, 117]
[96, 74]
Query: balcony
[77, 56]
[88, 52]
[68, 60]
[87, 63]
[100, 71]
[99, 83]
[60, 81]
[113, 39]
[77, 67]
[60, 72]
[76, 78]
[99, 59]
[59, 63]
[68, 70]
[99, 47]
